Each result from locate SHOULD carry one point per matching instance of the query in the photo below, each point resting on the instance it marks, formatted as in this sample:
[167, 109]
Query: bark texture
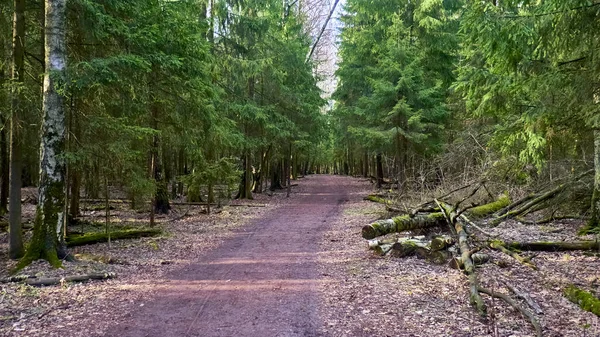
[402, 223]
[595, 209]
[48, 240]
[16, 249]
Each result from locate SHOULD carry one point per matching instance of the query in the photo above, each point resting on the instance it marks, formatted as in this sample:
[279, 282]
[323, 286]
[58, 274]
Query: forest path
[261, 282]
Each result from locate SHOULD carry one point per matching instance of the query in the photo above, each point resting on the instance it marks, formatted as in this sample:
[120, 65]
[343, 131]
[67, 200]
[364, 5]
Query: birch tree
[48, 239]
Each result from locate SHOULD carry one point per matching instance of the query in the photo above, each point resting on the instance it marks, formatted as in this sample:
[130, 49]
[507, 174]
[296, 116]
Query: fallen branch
[469, 268]
[499, 245]
[525, 297]
[472, 224]
[532, 319]
[38, 282]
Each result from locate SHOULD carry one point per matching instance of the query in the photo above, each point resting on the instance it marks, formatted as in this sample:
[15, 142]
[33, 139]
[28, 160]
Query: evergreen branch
[550, 13]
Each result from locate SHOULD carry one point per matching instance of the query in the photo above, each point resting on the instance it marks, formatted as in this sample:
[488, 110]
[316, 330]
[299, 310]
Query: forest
[121, 119]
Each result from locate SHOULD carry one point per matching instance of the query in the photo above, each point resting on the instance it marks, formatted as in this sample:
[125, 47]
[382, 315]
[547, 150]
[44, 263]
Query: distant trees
[397, 62]
[419, 79]
[159, 98]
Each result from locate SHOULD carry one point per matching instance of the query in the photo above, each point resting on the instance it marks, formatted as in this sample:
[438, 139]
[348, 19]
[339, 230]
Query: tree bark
[48, 240]
[38, 282]
[554, 246]
[92, 238]
[379, 163]
[16, 249]
[402, 223]
[595, 209]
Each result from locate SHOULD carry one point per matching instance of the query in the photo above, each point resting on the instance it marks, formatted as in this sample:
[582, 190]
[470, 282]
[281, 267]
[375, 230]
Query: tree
[48, 233]
[16, 249]
[523, 66]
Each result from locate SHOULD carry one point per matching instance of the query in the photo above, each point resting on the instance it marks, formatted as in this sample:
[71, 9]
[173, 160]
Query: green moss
[586, 300]
[377, 199]
[98, 237]
[487, 209]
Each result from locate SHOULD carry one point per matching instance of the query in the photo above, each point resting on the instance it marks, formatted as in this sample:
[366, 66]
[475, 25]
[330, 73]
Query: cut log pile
[457, 248]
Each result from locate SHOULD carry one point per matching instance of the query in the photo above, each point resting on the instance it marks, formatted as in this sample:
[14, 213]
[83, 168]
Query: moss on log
[487, 209]
[407, 247]
[402, 223]
[377, 199]
[584, 299]
[442, 242]
[92, 238]
[554, 246]
[478, 259]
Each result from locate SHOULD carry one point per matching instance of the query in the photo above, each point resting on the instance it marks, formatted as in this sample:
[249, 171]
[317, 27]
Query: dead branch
[532, 319]
[38, 282]
[498, 245]
[524, 296]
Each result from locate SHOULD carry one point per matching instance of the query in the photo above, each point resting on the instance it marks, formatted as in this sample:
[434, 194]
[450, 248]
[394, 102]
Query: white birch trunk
[48, 240]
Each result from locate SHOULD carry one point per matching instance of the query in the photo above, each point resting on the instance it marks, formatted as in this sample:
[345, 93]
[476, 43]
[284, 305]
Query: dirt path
[262, 282]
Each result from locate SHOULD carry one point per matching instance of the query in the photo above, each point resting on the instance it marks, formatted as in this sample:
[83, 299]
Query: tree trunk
[16, 249]
[554, 246]
[366, 165]
[595, 209]
[4, 166]
[402, 223]
[379, 170]
[47, 241]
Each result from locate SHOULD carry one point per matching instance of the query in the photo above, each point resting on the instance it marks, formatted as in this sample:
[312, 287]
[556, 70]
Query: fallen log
[584, 299]
[402, 223]
[532, 319]
[92, 238]
[439, 257]
[487, 209]
[372, 244]
[560, 246]
[469, 268]
[407, 248]
[377, 199]
[524, 296]
[478, 259]
[441, 242]
[38, 282]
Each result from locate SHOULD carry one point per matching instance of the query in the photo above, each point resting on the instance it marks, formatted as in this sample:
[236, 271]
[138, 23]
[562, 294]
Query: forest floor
[296, 267]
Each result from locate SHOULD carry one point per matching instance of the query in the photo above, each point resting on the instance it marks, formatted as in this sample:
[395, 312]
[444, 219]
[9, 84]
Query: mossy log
[442, 242]
[92, 238]
[554, 246]
[487, 209]
[377, 199]
[382, 250]
[43, 281]
[439, 257]
[584, 299]
[372, 244]
[407, 247]
[478, 259]
[402, 223]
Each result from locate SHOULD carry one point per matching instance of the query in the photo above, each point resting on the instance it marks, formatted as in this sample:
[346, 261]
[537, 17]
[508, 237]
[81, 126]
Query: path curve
[261, 282]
